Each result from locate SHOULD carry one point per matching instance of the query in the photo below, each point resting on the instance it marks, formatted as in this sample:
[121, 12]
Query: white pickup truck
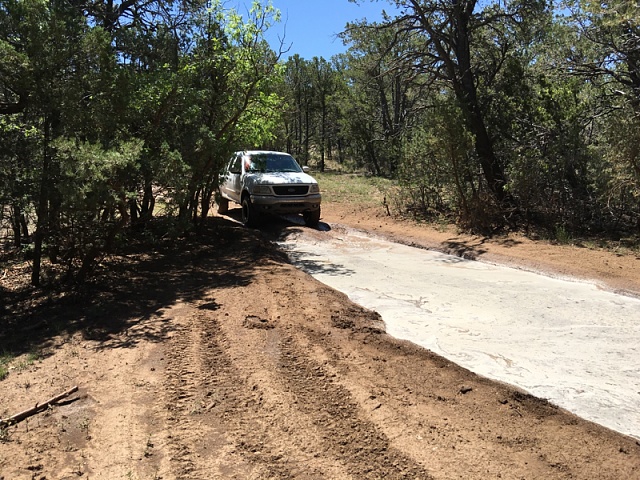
[268, 182]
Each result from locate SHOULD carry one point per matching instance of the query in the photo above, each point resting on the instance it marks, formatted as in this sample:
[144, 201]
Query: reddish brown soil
[215, 358]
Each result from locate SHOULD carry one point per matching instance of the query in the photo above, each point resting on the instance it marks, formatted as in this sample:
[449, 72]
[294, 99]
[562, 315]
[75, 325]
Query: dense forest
[495, 114]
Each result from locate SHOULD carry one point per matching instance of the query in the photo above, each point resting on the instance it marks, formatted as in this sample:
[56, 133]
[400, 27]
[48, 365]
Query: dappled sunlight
[120, 306]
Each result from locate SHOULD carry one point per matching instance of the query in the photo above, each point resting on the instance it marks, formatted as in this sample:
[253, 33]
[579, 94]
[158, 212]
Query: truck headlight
[261, 190]
[315, 188]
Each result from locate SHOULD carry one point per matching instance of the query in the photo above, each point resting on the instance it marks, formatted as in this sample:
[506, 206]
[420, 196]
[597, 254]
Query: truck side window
[235, 165]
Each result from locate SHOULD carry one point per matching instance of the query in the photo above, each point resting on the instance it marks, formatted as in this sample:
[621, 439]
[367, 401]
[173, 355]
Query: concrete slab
[567, 341]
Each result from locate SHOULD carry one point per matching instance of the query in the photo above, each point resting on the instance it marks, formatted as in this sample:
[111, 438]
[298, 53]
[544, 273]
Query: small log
[39, 407]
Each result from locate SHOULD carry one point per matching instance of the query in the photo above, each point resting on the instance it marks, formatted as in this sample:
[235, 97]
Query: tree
[56, 49]
[605, 56]
[298, 101]
[230, 72]
[444, 37]
[103, 103]
[383, 98]
[612, 48]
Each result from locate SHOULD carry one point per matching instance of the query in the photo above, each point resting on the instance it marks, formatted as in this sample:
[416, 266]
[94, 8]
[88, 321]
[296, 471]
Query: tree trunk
[15, 226]
[89, 260]
[298, 138]
[188, 209]
[25, 227]
[323, 135]
[306, 137]
[43, 206]
[133, 210]
[374, 159]
[464, 83]
[205, 202]
[491, 168]
[148, 203]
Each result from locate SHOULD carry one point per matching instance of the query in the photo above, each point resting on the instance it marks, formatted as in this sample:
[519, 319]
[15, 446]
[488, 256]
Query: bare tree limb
[39, 407]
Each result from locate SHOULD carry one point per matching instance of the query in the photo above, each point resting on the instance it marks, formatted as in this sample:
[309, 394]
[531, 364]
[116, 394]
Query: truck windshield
[272, 163]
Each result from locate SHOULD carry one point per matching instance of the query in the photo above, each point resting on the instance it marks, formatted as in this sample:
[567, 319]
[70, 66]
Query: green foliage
[5, 360]
[104, 106]
[93, 179]
[94, 188]
[435, 167]
[532, 133]
[605, 56]
[489, 113]
[562, 236]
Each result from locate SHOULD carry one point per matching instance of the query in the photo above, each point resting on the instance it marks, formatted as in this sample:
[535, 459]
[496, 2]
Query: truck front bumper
[282, 205]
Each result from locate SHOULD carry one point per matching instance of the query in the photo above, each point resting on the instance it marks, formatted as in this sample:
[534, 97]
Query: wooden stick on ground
[18, 417]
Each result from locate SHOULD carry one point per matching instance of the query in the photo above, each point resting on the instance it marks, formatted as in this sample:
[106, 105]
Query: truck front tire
[249, 214]
[312, 218]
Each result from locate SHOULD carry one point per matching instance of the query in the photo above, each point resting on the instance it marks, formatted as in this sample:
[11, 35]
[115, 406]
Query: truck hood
[280, 178]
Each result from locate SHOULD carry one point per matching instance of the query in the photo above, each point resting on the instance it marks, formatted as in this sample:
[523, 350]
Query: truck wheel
[249, 214]
[311, 219]
[223, 205]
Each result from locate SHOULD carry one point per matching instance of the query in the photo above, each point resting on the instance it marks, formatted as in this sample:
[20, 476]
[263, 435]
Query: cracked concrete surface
[570, 342]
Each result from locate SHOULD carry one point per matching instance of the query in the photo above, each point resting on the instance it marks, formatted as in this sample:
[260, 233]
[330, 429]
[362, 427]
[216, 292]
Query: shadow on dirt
[147, 276]
[279, 228]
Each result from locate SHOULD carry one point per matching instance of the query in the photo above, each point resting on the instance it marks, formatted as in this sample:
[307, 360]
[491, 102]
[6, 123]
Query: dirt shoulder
[215, 358]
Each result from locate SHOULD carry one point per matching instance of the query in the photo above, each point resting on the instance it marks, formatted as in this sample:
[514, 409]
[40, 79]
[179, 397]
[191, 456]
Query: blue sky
[311, 25]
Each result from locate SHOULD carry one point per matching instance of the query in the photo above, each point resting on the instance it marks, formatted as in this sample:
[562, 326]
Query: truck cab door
[231, 184]
[235, 172]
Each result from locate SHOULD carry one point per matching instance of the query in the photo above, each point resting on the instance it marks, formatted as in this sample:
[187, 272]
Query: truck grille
[291, 190]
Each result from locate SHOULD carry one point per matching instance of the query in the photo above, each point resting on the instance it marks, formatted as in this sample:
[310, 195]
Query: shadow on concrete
[473, 249]
[470, 250]
[278, 228]
[276, 225]
[317, 267]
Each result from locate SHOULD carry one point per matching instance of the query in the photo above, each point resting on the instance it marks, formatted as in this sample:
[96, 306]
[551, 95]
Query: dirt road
[218, 359]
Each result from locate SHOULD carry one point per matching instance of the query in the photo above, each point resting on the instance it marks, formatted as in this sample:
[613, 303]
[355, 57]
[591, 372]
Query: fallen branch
[39, 407]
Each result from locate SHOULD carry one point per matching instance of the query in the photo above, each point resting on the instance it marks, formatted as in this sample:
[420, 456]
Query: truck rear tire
[223, 205]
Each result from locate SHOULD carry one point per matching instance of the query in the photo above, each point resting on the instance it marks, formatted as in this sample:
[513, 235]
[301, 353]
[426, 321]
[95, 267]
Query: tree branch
[39, 407]
[7, 108]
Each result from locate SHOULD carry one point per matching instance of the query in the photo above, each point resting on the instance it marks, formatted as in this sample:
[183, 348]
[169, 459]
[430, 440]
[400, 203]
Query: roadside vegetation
[370, 192]
[4, 365]
[355, 188]
[496, 116]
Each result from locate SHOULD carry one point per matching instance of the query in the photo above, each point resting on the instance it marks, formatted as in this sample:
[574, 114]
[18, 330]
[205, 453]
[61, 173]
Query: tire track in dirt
[318, 418]
[283, 379]
[181, 387]
[353, 440]
[218, 417]
[242, 367]
[259, 412]
[429, 410]
[205, 393]
[249, 397]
